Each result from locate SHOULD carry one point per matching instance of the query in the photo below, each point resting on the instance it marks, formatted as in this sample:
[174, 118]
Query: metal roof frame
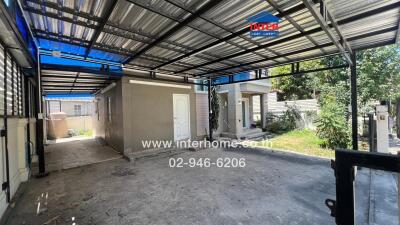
[301, 51]
[100, 28]
[323, 17]
[177, 27]
[227, 38]
[110, 28]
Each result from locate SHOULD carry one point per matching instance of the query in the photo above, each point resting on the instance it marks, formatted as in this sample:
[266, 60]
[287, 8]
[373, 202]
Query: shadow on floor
[75, 153]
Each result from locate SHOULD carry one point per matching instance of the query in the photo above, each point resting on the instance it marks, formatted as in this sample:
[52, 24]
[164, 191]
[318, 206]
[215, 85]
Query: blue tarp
[236, 77]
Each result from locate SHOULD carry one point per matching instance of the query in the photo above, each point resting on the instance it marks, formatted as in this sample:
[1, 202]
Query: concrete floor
[75, 153]
[274, 188]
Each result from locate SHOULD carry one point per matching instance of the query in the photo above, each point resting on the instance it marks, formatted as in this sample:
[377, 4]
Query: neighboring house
[72, 106]
[241, 105]
[79, 111]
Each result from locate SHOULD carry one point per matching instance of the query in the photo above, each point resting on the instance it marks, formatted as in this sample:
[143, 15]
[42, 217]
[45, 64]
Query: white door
[181, 116]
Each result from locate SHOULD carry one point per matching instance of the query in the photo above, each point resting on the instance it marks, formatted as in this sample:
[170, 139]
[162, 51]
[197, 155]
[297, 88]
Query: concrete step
[256, 136]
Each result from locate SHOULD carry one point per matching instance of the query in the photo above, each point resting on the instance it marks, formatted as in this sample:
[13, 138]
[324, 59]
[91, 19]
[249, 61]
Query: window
[77, 110]
[97, 110]
[109, 108]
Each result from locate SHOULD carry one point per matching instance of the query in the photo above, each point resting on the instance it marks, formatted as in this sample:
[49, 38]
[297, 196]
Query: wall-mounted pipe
[109, 87]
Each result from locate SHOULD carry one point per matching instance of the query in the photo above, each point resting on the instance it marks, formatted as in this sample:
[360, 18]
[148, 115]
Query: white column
[235, 109]
[264, 109]
[382, 128]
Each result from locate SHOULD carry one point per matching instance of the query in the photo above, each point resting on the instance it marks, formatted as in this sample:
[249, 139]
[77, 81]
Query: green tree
[214, 109]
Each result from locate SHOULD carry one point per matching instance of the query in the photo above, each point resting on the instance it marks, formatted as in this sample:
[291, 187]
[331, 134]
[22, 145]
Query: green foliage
[379, 74]
[285, 122]
[303, 141]
[214, 109]
[378, 79]
[332, 126]
[299, 86]
[84, 132]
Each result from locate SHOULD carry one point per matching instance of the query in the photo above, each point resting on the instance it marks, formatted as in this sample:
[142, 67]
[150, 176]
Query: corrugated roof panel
[135, 24]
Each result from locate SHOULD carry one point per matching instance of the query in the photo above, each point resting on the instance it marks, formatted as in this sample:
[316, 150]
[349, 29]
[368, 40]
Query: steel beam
[354, 114]
[210, 131]
[39, 122]
[398, 33]
[58, 17]
[157, 11]
[72, 87]
[309, 32]
[111, 74]
[5, 124]
[131, 34]
[221, 27]
[72, 77]
[98, 20]
[68, 10]
[108, 12]
[209, 5]
[263, 60]
[59, 37]
[69, 82]
[293, 73]
[323, 17]
[110, 49]
[292, 22]
[297, 52]
[227, 38]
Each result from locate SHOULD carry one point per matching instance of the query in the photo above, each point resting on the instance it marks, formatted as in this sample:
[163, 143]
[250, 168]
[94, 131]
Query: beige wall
[99, 117]
[140, 112]
[148, 113]
[19, 169]
[202, 113]
[111, 131]
[223, 125]
[79, 123]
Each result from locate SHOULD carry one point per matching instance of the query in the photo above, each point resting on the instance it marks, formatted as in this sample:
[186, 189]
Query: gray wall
[112, 131]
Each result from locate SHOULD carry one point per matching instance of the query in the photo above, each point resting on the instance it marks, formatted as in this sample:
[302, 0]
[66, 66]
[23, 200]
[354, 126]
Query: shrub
[291, 117]
[286, 122]
[332, 125]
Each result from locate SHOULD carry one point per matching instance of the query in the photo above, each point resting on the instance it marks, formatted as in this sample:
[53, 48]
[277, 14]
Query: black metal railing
[345, 161]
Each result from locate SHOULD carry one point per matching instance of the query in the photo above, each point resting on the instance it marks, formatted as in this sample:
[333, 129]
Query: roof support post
[210, 131]
[323, 17]
[353, 82]
[39, 122]
[4, 131]
[398, 33]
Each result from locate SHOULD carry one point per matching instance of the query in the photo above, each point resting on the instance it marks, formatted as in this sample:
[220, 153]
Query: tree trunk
[398, 117]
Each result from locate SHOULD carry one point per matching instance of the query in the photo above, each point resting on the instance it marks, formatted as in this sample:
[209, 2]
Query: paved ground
[70, 154]
[274, 188]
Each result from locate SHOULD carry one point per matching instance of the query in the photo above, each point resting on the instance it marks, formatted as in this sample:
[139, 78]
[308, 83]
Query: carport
[83, 48]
